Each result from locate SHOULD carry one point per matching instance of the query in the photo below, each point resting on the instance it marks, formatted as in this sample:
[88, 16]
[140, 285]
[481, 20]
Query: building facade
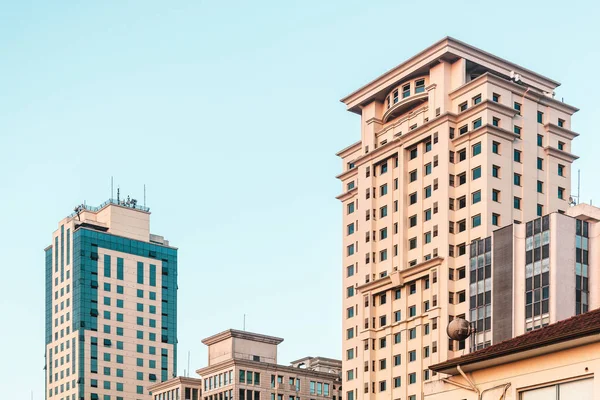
[455, 143]
[180, 388]
[537, 273]
[559, 361]
[111, 305]
[243, 366]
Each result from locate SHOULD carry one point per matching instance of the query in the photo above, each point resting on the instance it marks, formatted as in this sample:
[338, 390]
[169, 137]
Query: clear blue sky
[228, 112]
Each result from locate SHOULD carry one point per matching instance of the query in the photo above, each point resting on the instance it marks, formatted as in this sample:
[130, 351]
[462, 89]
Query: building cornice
[219, 367]
[560, 154]
[562, 132]
[348, 195]
[520, 90]
[482, 130]
[397, 278]
[174, 382]
[234, 333]
[445, 48]
[347, 174]
[348, 150]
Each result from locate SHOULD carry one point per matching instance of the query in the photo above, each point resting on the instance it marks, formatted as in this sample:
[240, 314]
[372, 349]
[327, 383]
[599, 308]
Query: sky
[229, 113]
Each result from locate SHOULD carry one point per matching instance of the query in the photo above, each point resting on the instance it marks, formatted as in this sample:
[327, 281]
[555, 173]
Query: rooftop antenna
[244, 322]
[118, 194]
[188, 370]
[573, 200]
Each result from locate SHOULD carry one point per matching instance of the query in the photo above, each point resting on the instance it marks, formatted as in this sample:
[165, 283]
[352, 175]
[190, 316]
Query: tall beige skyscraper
[455, 143]
[111, 305]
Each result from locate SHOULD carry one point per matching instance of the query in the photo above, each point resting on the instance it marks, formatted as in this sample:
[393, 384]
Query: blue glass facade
[86, 244]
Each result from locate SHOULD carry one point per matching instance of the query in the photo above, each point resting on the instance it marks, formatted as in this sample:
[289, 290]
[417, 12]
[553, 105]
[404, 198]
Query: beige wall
[561, 366]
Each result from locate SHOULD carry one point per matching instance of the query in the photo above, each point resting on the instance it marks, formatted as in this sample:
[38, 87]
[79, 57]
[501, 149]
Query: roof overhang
[445, 50]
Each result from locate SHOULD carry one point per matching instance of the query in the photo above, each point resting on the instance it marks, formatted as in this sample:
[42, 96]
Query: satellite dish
[459, 329]
[512, 74]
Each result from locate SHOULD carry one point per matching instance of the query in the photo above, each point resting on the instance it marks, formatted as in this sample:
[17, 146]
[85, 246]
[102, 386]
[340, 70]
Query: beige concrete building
[454, 144]
[243, 366]
[111, 305]
[180, 388]
[560, 361]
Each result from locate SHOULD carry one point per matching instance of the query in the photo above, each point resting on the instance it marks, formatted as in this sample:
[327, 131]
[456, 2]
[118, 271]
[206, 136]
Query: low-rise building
[243, 366]
[180, 388]
[558, 361]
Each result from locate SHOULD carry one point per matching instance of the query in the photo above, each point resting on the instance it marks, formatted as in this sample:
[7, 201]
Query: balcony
[405, 105]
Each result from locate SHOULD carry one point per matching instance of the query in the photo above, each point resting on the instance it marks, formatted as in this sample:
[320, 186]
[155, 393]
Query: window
[495, 147]
[462, 179]
[383, 190]
[495, 171]
[540, 163]
[382, 386]
[517, 179]
[413, 153]
[517, 130]
[477, 99]
[412, 221]
[495, 97]
[540, 210]
[382, 320]
[476, 197]
[462, 225]
[561, 145]
[517, 107]
[349, 335]
[540, 117]
[517, 203]
[495, 121]
[496, 195]
[412, 356]
[477, 123]
[427, 237]
[412, 175]
[350, 312]
[561, 193]
[476, 149]
[561, 170]
[406, 90]
[412, 243]
[350, 185]
[383, 255]
[427, 214]
[427, 168]
[382, 233]
[463, 129]
[384, 168]
[427, 147]
[517, 156]
[540, 187]
[350, 250]
[413, 198]
[350, 291]
[420, 86]
[476, 220]
[462, 107]
[495, 219]
[540, 140]
[462, 202]
[383, 212]
[350, 207]
[427, 192]
[462, 155]
[561, 123]
[350, 228]
[412, 378]
[397, 316]
[476, 173]
[412, 312]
